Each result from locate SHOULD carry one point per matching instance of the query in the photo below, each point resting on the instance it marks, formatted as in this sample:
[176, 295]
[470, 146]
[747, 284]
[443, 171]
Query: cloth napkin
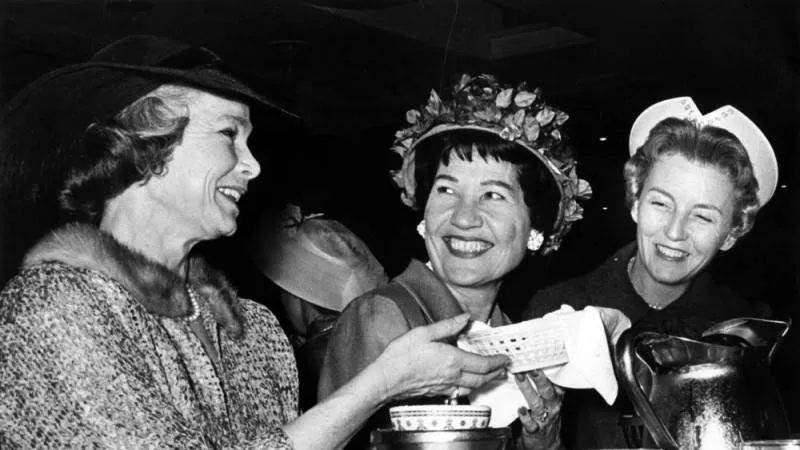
[587, 336]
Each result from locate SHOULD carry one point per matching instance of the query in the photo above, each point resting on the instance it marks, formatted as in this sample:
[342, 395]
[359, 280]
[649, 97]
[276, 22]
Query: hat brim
[67, 100]
[208, 78]
[321, 262]
[758, 147]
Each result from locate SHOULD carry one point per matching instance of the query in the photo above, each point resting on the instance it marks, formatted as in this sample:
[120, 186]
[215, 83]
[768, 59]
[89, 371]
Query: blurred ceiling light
[603, 138]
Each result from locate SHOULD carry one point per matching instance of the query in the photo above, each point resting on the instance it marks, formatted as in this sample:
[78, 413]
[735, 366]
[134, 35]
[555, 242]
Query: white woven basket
[532, 344]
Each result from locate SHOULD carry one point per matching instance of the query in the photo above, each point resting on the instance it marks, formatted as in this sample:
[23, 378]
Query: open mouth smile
[231, 193]
[671, 254]
[466, 248]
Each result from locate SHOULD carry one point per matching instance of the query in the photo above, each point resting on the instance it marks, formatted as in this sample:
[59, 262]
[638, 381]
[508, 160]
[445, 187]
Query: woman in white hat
[115, 334]
[694, 184]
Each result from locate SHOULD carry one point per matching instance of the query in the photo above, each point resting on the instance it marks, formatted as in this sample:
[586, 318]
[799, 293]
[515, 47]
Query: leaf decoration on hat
[412, 116]
[516, 114]
[524, 99]
[504, 98]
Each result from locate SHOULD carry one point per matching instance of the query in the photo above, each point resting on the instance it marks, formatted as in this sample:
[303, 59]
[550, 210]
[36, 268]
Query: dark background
[352, 68]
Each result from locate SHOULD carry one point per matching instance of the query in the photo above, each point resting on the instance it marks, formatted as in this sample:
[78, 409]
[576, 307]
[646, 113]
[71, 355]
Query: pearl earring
[421, 228]
[535, 240]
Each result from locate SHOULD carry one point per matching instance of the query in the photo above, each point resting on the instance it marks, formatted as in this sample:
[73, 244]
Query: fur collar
[158, 289]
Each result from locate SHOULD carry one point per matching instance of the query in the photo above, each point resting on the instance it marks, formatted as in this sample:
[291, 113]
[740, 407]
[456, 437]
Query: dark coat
[588, 422]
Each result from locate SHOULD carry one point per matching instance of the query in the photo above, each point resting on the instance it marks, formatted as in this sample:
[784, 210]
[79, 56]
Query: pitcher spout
[755, 332]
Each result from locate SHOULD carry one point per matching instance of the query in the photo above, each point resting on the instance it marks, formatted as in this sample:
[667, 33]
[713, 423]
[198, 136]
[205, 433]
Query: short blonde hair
[707, 145]
[131, 148]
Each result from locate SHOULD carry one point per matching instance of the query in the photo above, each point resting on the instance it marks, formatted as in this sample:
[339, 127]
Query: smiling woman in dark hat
[41, 124]
[112, 334]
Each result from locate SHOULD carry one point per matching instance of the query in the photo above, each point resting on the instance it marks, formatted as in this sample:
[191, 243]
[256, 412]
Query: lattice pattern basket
[532, 344]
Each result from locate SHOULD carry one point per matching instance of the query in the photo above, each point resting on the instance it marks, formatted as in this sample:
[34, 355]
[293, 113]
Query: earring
[421, 228]
[535, 240]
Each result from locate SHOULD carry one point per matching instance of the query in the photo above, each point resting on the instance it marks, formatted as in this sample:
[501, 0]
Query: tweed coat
[94, 353]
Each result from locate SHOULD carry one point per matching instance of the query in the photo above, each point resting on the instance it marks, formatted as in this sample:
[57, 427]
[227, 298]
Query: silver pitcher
[711, 393]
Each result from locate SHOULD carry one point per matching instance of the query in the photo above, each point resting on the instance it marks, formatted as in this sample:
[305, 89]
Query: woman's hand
[541, 420]
[418, 363]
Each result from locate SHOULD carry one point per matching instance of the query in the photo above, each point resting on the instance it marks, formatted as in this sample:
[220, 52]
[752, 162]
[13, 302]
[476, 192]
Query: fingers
[527, 388]
[465, 382]
[544, 401]
[543, 431]
[467, 361]
[528, 423]
[536, 384]
[546, 389]
[475, 380]
[442, 329]
[475, 363]
[423, 365]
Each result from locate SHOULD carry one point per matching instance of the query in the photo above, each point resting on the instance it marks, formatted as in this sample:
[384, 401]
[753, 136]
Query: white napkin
[587, 337]
[588, 334]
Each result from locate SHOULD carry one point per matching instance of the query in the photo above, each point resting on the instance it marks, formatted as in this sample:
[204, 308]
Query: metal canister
[479, 439]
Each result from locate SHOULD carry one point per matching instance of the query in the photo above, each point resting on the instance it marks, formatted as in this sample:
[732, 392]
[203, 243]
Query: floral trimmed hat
[516, 114]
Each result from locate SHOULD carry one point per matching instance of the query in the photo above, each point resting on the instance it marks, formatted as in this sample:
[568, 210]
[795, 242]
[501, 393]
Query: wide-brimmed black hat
[57, 107]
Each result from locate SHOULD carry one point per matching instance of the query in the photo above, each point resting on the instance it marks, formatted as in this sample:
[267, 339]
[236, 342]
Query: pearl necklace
[630, 276]
[195, 306]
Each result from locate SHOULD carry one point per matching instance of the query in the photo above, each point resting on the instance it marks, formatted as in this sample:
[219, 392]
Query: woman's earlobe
[635, 211]
[729, 242]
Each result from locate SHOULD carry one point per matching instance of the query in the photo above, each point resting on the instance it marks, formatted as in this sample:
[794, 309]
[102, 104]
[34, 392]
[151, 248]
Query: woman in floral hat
[490, 170]
[694, 184]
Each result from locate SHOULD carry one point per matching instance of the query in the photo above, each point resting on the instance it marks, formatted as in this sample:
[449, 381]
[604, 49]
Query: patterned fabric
[84, 364]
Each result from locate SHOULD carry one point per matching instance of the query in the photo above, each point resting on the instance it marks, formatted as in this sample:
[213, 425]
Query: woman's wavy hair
[539, 189]
[707, 145]
[134, 146]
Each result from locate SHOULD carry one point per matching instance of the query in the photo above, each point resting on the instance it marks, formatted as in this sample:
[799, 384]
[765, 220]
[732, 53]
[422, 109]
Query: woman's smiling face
[684, 216]
[477, 222]
[210, 169]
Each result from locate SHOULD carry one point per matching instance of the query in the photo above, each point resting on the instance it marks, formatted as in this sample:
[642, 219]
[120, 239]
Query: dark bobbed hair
[539, 188]
[134, 146]
[706, 145]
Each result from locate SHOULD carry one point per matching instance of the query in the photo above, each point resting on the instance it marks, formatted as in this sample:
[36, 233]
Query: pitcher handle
[624, 355]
